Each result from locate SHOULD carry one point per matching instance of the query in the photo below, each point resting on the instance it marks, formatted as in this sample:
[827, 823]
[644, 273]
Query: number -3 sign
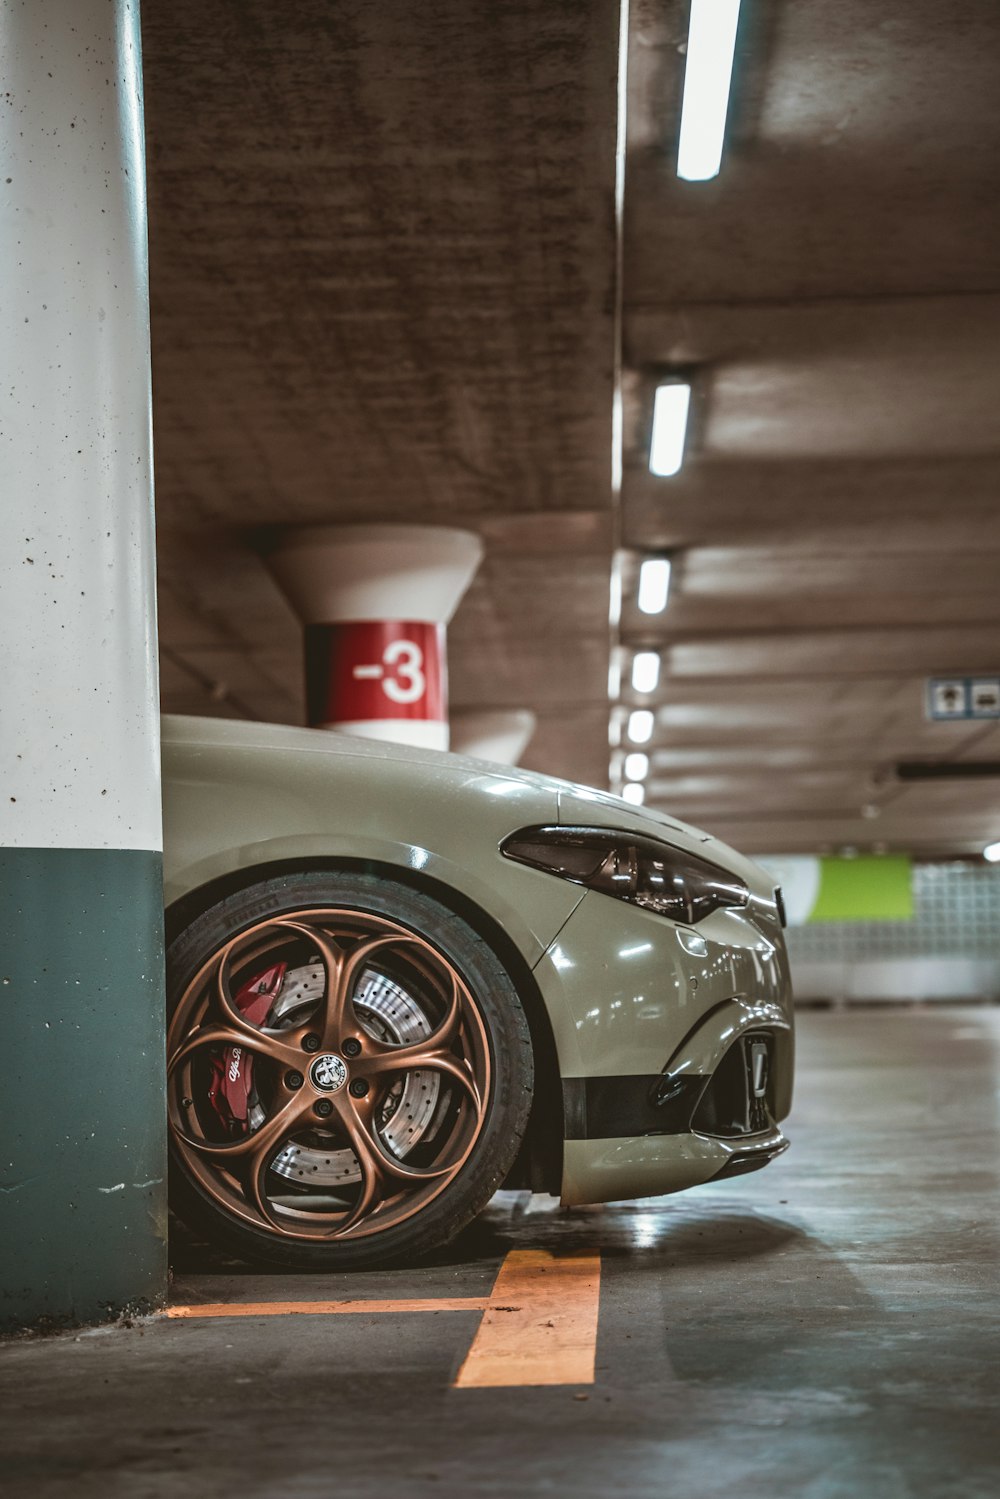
[365, 670]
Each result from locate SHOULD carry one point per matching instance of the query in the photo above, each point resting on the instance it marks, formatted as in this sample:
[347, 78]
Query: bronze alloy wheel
[329, 1075]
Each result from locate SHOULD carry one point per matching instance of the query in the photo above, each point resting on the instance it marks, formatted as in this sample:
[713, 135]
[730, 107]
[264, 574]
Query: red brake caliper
[232, 1073]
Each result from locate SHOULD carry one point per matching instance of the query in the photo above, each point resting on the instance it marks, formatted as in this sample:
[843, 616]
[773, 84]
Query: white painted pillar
[376, 601]
[82, 1169]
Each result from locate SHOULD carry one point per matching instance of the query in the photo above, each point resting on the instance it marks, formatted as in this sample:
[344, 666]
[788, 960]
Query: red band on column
[368, 670]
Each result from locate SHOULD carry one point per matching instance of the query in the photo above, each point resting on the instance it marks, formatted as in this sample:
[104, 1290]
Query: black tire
[482, 1121]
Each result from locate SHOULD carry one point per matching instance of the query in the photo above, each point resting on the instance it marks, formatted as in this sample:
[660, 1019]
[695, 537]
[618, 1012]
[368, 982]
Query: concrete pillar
[375, 601]
[82, 1115]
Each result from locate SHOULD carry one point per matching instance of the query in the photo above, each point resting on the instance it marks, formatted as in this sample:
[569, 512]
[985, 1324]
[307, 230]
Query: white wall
[949, 950]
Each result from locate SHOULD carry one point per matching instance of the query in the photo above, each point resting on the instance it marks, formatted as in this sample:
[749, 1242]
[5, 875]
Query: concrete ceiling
[382, 286]
[836, 527]
[383, 278]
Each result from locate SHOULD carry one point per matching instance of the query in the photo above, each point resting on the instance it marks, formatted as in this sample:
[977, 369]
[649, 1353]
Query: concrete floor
[825, 1329]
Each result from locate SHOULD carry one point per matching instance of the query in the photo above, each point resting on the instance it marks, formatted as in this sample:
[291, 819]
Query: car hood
[243, 734]
[583, 803]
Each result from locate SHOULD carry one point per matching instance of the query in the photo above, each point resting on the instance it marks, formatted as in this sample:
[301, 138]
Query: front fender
[529, 926]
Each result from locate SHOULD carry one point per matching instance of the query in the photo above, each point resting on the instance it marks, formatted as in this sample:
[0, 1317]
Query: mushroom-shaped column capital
[375, 601]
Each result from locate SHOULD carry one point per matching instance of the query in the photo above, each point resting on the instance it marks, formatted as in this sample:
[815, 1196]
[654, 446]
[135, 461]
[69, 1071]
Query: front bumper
[659, 1029]
[712, 1112]
[653, 1165]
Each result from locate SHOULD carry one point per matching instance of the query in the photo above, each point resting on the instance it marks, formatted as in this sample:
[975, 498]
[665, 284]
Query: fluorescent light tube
[654, 585]
[634, 793]
[645, 671]
[991, 853]
[636, 766]
[707, 78]
[670, 415]
[640, 726]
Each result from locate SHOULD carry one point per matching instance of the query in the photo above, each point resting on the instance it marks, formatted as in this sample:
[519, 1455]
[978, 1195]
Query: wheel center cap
[328, 1073]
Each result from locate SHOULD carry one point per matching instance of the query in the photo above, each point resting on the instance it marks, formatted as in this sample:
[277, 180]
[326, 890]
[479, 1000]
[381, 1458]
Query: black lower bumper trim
[613, 1108]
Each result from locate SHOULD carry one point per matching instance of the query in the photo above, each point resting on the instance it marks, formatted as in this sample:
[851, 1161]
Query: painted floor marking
[540, 1327]
[327, 1308]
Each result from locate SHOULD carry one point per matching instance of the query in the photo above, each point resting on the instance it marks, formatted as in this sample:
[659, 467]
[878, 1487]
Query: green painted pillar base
[83, 1215]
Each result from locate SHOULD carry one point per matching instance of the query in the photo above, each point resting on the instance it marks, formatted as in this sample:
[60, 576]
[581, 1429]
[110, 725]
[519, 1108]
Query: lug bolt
[359, 1087]
[351, 1048]
[294, 1079]
[310, 1042]
[324, 1108]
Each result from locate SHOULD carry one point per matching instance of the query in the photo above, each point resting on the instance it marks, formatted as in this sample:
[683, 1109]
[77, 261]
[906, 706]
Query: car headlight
[641, 870]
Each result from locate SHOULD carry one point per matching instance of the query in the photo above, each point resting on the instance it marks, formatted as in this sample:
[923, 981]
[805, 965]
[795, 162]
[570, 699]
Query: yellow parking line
[326, 1308]
[540, 1325]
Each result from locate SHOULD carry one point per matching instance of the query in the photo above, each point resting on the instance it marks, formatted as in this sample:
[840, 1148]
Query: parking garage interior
[424, 283]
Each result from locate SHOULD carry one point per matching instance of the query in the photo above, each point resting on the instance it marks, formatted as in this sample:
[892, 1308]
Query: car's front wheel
[349, 1071]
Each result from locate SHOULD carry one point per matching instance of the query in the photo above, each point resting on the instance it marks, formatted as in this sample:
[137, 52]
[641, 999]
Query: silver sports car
[399, 980]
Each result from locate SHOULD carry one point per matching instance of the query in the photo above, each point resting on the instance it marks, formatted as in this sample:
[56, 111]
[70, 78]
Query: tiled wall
[950, 950]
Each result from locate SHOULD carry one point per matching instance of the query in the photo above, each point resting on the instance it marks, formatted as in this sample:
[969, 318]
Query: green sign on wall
[868, 888]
